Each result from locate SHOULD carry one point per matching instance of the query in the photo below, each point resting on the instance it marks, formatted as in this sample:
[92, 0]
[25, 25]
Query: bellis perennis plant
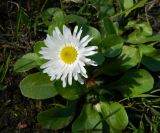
[67, 54]
[93, 73]
[63, 56]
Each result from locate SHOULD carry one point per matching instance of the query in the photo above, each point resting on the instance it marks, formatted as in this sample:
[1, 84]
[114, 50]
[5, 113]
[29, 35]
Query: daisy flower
[67, 55]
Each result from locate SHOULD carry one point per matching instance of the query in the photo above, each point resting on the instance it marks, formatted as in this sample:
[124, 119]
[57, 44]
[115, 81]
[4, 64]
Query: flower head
[67, 54]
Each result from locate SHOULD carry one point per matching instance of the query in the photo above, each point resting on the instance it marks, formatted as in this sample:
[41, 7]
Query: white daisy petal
[89, 53]
[88, 61]
[64, 82]
[84, 39]
[90, 48]
[66, 72]
[80, 80]
[58, 33]
[91, 62]
[49, 54]
[60, 71]
[57, 42]
[83, 70]
[67, 55]
[66, 32]
[44, 50]
[48, 41]
[53, 33]
[70, 78]
[52, 63]
[47, 64]
[79, 34]
[46, 70]
[84, 42]
[52, 77]
[75, 31]
[75, 74]
[76, 77]
[77, 69]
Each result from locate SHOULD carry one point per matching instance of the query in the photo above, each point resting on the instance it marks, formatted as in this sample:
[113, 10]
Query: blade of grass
[5, 68]
[18, 20]
[45, 2]
[106, 118]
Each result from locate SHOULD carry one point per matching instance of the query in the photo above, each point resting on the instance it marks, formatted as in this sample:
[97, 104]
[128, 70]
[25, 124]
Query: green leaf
[152, 62]
[37, 86]
[75, 18]
[133, 83]
[27, 62]
[142, 33]
[104, 8]
[109, 27]
[151, 57]
[98, 58]
[143, 27]
[131, 25]
[58, 21]
[87, 121]
[2, 87]
[139, 4]
[112, 45]
[38, 45]
[49, 14]
[93, 32]
[146, 49]
[137, 38]
[126, 4]
[56, 118]
[72, 92]
[140, 129]
[115, 115]
[128, 58]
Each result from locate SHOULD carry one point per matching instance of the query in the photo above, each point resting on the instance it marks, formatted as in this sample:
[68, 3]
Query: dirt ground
[17, 113]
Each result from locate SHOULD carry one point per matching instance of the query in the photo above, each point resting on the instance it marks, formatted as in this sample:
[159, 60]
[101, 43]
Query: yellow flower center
[68, 54]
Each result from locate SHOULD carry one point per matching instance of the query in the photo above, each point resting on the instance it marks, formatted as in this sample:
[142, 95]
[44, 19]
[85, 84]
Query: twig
[11, 47]
[43, 5]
